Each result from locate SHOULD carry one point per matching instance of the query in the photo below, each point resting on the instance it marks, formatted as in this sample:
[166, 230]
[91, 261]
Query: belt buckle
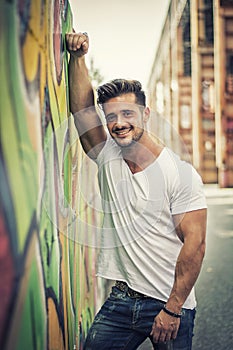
[129, 291]
[133, 294]
[122, 286]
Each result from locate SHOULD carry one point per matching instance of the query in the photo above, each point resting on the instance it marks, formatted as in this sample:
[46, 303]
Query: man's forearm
[87, 121]
[188, 267]
[81, 91]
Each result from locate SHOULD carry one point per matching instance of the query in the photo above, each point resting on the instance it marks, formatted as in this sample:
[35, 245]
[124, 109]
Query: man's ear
[146, 114]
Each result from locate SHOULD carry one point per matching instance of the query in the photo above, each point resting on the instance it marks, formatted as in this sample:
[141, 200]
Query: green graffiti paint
[48, 298]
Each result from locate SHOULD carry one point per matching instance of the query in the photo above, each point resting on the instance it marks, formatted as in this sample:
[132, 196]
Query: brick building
[191, 84]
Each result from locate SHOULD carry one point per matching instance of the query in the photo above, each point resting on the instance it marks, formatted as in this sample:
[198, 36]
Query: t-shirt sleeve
[188, 192]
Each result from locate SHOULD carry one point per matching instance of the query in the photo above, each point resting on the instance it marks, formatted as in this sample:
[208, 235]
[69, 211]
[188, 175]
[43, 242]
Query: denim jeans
[123, 323]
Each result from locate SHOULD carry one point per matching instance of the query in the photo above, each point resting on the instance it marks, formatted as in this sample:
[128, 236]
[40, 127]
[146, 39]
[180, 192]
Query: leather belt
[123, 286]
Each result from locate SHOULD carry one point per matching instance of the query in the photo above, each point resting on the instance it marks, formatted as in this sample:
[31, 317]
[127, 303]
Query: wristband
[171, 313]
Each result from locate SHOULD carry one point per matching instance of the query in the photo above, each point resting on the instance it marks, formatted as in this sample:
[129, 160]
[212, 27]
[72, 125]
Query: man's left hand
[165, 327]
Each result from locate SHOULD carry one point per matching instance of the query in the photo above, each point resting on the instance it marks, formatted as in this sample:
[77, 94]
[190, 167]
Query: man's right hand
[77, 43]
[87, 121]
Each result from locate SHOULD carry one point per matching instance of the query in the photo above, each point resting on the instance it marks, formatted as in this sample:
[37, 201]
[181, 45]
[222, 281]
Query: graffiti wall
[48, 291]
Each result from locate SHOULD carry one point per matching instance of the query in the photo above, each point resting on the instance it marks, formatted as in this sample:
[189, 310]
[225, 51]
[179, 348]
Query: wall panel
[48, 292]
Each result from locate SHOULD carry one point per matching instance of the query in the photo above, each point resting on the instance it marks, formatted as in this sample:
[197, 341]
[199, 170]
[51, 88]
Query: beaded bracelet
[171, 313]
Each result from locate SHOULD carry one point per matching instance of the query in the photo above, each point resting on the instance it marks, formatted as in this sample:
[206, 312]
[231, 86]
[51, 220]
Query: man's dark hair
[118, 87]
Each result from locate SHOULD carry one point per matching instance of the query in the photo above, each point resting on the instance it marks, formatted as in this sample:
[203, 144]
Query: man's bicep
[191, 225]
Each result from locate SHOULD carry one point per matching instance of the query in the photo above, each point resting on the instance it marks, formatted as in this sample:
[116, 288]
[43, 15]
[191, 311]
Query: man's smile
[122, 132]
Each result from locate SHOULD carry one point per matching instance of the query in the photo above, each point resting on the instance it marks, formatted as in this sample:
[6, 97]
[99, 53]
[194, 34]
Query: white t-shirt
[139, 244]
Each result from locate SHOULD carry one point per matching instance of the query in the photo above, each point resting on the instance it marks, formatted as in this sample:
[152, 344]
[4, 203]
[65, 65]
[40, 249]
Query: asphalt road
[214, 288]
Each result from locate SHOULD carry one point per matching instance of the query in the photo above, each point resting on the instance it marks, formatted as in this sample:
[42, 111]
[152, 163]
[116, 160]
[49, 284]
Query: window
[209, 32]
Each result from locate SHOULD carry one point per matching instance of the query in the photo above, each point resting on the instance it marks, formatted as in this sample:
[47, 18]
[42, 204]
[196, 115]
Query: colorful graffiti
[48, 294]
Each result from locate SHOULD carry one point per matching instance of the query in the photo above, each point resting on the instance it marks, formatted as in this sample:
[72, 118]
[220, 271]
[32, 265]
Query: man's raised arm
[87, 120]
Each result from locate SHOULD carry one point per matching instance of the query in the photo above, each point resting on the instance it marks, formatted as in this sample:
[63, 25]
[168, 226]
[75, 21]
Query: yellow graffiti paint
[31, 47]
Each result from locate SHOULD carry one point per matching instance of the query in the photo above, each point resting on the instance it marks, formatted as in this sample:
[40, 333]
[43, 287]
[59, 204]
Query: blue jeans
[123, 323]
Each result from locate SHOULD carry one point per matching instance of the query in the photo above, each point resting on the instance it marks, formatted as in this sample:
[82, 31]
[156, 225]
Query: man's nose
[120, 119]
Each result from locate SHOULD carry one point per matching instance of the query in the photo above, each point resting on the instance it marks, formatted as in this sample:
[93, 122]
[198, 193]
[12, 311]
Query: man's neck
[141, 154]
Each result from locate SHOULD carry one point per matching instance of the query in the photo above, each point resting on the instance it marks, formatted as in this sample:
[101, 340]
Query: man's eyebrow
[121, 111]
[110, 114]
[127, 110]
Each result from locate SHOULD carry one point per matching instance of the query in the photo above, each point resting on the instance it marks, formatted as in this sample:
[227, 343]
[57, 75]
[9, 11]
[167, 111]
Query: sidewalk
[215, 191]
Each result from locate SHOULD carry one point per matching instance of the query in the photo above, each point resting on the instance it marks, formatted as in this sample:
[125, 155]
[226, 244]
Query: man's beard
[130, 143]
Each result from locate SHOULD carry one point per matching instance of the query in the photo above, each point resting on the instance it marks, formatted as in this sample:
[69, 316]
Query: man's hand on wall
[77, 43]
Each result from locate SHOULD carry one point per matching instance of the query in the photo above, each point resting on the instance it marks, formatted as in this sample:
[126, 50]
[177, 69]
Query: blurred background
[182, 52]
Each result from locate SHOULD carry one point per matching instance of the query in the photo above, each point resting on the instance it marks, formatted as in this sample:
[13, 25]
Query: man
[154, 225]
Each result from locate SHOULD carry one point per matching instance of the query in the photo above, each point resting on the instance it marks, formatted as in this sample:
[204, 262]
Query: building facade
[191, 85]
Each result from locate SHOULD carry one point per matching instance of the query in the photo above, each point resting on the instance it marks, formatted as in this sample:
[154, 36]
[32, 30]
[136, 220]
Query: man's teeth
[122, 132]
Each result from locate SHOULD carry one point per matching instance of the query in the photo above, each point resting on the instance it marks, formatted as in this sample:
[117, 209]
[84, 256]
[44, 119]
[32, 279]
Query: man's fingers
[85, 47]
[174, 334]
[161, 337]
[155, 337]
[70, 42]
[155, 333]
[77, 41]
[164, 328]
[167, 337]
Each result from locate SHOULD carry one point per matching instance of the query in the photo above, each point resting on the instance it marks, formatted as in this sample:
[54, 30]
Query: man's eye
[110, 118]
[127, 113]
